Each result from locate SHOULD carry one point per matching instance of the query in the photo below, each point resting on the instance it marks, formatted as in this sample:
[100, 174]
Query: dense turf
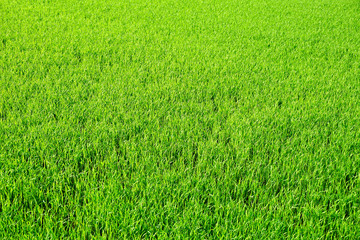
[201, 119]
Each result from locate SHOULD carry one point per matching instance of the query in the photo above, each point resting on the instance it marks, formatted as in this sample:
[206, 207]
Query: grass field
[179, 119]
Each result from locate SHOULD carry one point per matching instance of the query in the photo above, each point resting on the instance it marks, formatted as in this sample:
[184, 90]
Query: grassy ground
[201, 119]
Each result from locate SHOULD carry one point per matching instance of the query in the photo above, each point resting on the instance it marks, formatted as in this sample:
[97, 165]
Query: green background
[179, 119]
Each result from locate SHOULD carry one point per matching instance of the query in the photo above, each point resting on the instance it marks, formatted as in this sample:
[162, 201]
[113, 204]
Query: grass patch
[172, 119]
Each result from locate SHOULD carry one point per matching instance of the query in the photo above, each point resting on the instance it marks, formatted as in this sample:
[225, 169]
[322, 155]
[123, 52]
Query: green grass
[179, 119]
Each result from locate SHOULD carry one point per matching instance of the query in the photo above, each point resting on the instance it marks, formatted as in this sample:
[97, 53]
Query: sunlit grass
[213, 119]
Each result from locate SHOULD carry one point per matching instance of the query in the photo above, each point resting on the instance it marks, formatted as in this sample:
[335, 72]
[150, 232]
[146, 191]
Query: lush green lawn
[184, 119]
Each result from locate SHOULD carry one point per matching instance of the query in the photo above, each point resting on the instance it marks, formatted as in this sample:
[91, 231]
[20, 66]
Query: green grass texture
[180, 119]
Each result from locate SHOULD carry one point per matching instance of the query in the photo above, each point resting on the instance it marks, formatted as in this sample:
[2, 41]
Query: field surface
[180, 119]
